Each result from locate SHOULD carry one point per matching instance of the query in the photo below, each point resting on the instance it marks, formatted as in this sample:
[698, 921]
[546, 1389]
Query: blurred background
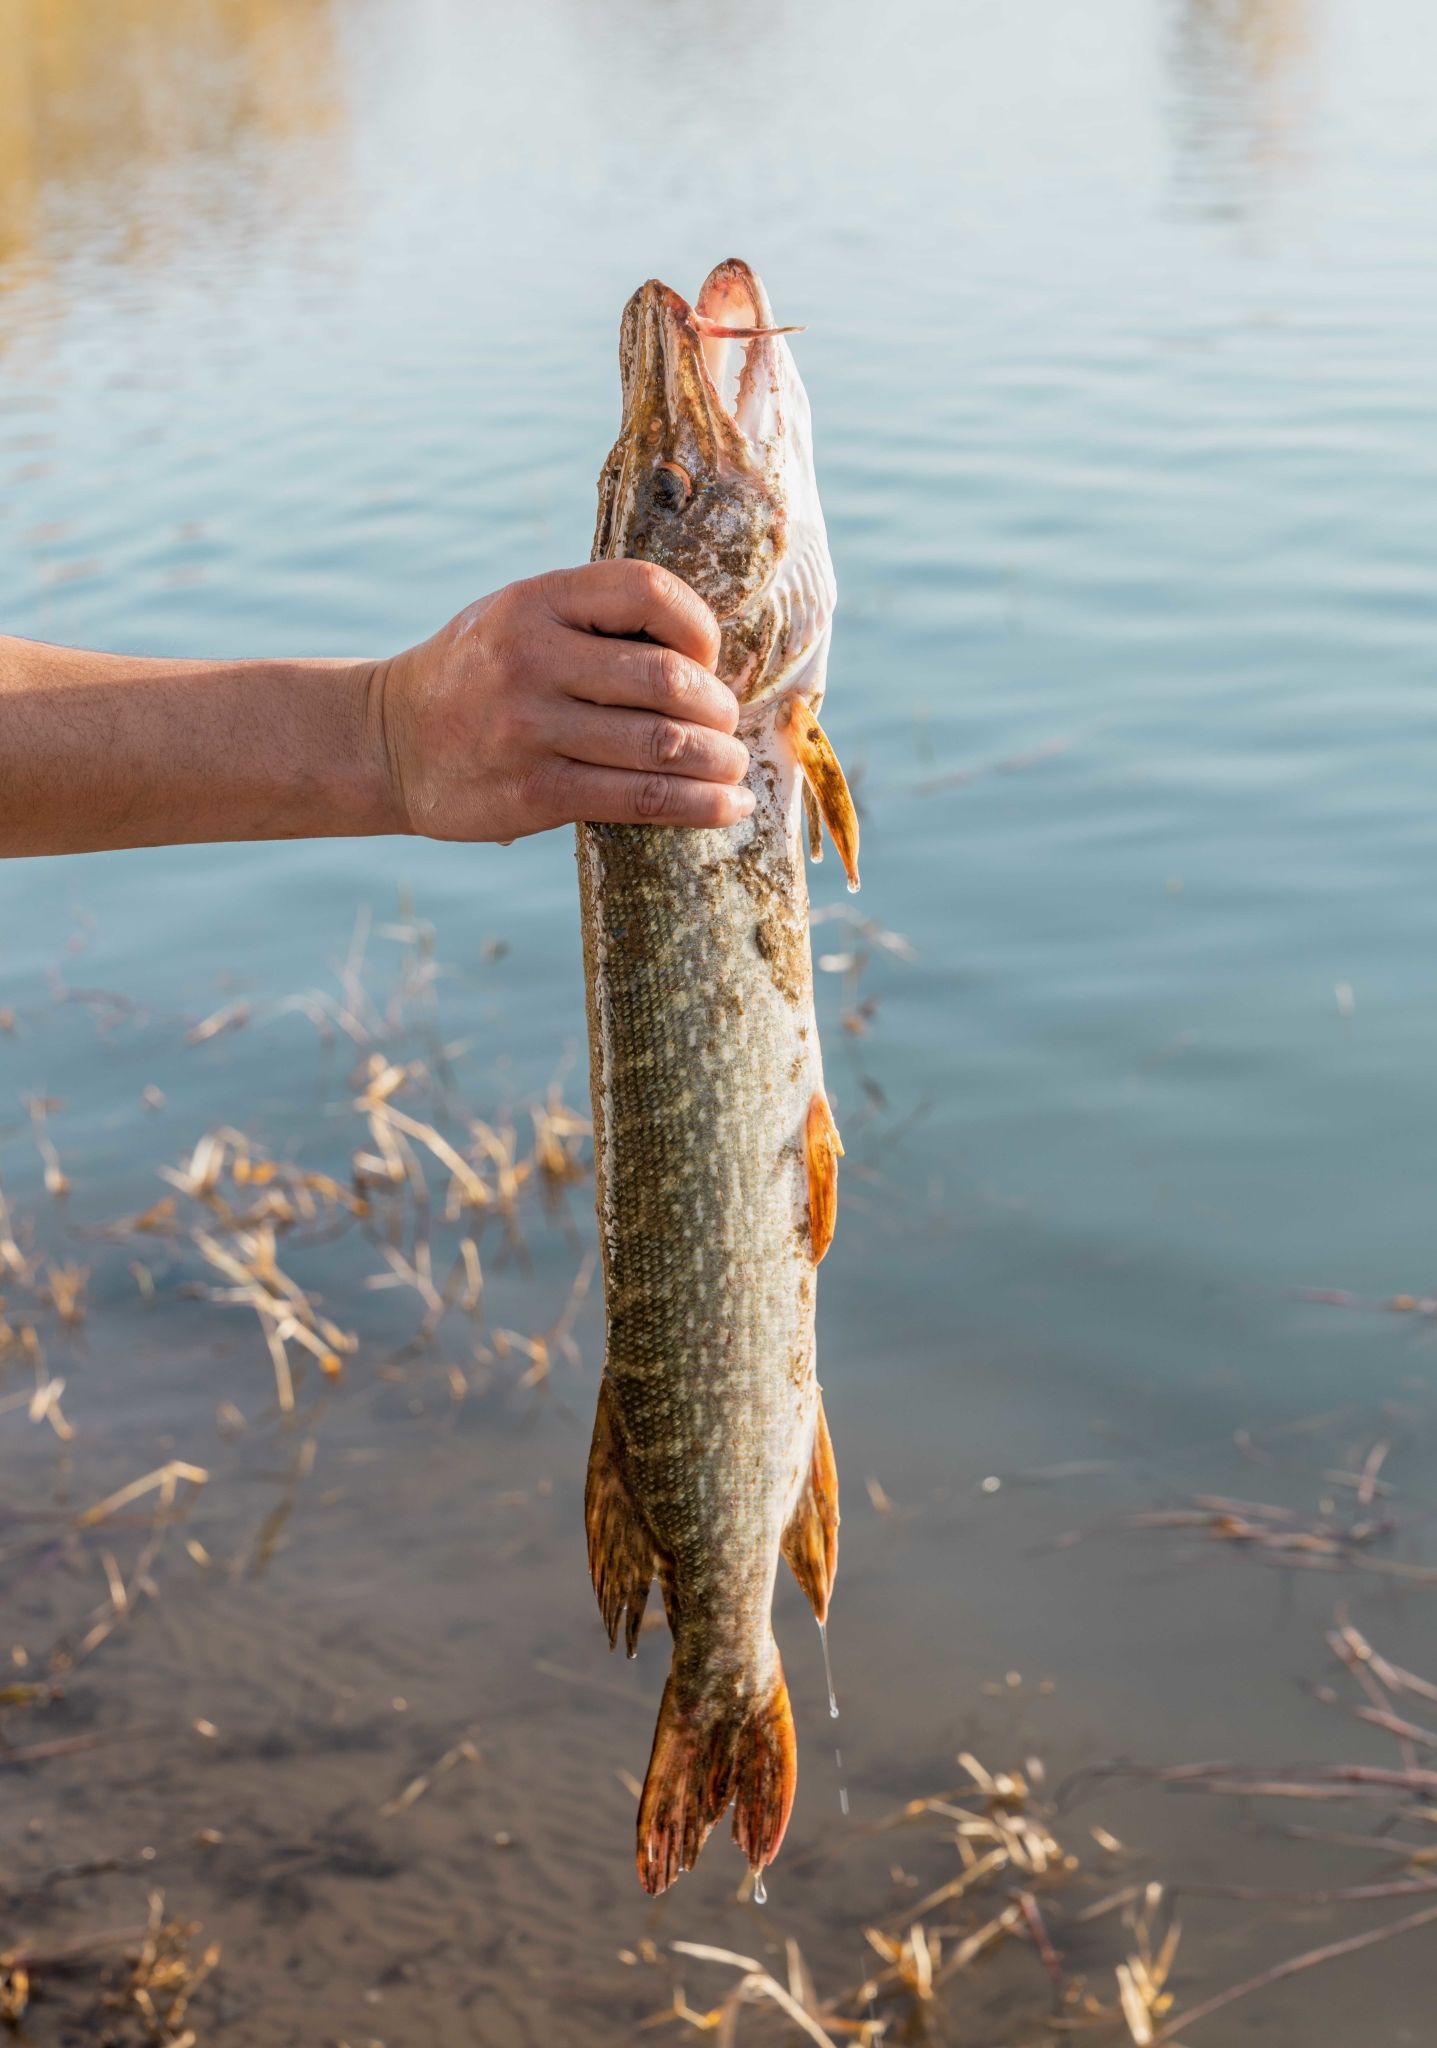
[1121, 332]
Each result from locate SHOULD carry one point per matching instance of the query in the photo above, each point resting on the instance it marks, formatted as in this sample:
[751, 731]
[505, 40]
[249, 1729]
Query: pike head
[712, 477]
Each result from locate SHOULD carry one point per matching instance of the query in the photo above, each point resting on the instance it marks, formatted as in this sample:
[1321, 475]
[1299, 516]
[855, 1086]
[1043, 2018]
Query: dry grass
[1016, 1886]
[124, 1988]
[1353, 1527]
[1029, 1878]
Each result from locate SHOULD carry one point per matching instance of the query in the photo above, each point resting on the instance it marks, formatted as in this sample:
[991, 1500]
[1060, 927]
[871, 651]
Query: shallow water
[1121, 332]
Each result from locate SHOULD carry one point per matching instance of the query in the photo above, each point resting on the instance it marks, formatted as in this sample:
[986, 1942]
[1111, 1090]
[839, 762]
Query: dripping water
[760, 1889]
[833, 1716]
[843, 1808]
[828, 1672]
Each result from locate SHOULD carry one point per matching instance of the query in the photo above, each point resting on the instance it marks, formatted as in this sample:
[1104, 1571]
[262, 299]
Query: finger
[631, 598]
[644, 679]
[637, 739]
[572, 790]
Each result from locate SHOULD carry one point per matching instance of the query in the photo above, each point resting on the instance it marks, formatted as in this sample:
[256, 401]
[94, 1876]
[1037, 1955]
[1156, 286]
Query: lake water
[1121, 337]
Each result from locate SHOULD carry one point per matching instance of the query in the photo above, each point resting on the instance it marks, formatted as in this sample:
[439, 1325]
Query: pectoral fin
[813, 818]
[823, 1148]
[622, 1558]
[810, 1542]
[825, 779]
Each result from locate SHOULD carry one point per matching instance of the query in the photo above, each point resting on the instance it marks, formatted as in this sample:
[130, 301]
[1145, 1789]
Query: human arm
[538, 705]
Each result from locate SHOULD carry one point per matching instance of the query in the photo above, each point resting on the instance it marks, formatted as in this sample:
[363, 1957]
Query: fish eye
[673, 487]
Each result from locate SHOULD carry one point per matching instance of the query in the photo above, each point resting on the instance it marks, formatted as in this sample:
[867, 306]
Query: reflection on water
[96, 102]
[1246, 72]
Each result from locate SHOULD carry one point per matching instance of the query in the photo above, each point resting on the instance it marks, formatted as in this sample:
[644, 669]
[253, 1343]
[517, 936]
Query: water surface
[1121, 324]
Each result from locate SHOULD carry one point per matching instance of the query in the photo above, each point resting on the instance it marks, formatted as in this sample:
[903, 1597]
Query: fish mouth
[714, 365]
[736, 326]
[715, 419]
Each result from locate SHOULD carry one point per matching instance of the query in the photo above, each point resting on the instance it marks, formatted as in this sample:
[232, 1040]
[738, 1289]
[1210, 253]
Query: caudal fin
[742, 1751]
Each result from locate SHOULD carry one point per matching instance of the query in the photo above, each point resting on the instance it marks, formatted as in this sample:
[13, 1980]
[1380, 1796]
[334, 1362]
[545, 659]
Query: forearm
[105, 750]
[585, 693]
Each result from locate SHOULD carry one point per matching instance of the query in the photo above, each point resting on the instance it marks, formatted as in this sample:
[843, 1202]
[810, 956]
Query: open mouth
[715, 426]
[718, 365]
[733, 317]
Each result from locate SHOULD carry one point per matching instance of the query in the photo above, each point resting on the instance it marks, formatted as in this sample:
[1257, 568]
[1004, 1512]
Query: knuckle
[668, 742]
[653, 796]
[652, 580]
[673, 677]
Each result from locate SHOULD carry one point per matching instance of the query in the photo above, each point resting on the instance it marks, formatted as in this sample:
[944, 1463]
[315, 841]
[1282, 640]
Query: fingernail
[745, 801]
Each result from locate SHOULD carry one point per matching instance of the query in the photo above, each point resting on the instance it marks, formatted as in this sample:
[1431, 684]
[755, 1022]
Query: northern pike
[715, 1148]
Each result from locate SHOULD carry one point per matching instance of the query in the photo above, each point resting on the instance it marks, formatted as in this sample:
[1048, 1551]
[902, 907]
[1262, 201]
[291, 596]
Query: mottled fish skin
[710, 1454]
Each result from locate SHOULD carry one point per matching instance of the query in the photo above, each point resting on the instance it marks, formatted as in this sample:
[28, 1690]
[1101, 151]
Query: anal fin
[828, 784]
[810, 1542]
[622, 1558]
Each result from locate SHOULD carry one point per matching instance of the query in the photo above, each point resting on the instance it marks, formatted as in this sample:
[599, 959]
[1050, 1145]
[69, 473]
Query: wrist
[380, 792]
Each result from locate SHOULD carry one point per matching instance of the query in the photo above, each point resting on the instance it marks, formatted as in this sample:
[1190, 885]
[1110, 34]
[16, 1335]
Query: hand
[539, 706]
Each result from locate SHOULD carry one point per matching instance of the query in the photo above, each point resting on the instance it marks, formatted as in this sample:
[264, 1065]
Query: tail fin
[742, 1750]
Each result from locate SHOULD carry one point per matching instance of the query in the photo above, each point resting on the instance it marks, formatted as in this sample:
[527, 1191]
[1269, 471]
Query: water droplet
[843, 1789]
[853, 888]
[828, 1672]
[760, 1889]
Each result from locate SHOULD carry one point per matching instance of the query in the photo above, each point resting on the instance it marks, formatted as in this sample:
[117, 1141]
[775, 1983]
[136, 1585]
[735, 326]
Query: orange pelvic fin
[828, 783]
[810, 1542]
[743, 1750]
[622, 1561]
[823, 1149]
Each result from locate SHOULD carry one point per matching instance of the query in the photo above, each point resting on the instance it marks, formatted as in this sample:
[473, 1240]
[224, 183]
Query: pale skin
[586, 693]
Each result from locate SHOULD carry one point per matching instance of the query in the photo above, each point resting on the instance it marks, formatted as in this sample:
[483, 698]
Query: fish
[716, 1149]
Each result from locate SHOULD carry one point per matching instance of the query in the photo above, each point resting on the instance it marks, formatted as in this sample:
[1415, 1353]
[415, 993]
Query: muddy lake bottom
[335, 1688]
